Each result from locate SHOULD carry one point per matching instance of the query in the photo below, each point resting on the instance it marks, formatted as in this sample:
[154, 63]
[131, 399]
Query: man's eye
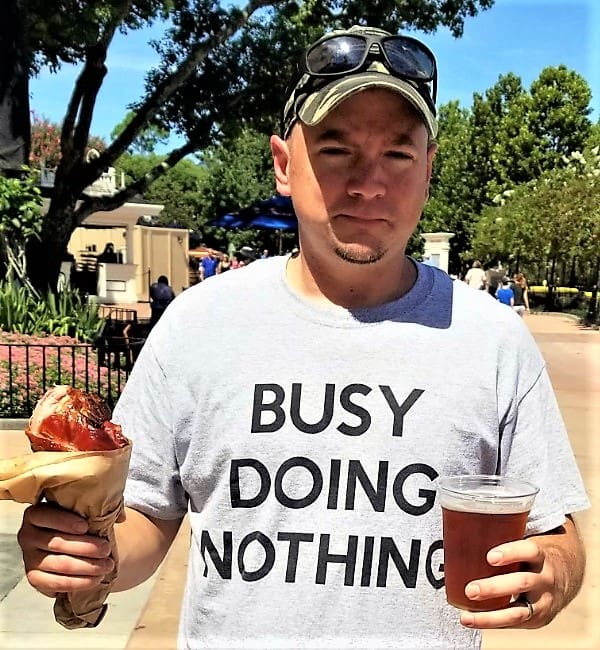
[399, 155]
[333, 151]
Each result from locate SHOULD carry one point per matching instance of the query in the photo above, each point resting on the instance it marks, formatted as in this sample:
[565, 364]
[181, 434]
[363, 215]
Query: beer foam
[483, 504]
[463, 495]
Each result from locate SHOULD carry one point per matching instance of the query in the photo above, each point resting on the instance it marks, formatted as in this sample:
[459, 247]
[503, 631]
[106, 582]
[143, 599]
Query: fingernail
[467, 620]
[472, 590]
[494, 557]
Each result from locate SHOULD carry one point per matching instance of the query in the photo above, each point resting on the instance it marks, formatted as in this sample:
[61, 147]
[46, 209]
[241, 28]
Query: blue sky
[519, 36]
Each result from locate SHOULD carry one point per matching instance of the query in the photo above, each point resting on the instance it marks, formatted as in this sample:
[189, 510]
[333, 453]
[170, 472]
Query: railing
[117, 313]
[28, 370]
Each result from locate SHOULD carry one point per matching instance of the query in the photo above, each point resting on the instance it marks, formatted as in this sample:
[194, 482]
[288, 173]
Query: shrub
[64, 315]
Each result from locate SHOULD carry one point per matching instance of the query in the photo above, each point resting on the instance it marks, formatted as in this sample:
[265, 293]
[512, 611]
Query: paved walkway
[146, 617]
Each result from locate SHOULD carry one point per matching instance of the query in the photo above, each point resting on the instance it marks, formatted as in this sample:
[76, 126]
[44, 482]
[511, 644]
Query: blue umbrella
[274, 213]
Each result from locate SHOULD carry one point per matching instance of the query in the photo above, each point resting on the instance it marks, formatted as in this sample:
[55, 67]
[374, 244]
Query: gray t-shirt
[305, 441]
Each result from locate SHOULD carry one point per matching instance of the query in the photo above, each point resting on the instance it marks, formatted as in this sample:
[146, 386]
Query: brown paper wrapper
[90, 483]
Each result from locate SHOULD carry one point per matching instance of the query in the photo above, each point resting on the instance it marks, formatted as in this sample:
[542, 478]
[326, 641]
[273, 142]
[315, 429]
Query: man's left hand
[551, 573]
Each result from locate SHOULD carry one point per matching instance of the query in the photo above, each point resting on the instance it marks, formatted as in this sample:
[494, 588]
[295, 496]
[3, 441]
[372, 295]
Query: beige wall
[160, 251]
[83, 237]
[153, 251]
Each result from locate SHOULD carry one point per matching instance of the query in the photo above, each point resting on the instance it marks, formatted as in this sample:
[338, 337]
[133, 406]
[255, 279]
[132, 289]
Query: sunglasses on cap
[337, 55]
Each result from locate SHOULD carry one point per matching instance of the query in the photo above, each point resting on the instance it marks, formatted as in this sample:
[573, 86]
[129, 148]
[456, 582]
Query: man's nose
[366, 180]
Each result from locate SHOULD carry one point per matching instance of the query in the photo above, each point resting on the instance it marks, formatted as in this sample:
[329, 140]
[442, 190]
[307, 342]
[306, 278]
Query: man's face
[359, 179]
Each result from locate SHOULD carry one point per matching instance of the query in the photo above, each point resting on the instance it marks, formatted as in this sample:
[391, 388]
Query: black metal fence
[27, 370]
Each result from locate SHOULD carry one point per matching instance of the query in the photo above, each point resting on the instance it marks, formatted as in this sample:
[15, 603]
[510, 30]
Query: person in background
[208, 266]
[505, 294]
[308, 470]
[475, 276]
[521, 294]
[224, 264]
[161, 296]
[108, 255]
[493, 278]
[247, 255]
[264, 254]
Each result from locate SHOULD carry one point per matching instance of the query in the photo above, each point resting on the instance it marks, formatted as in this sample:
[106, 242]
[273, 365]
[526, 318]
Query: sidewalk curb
[13, 424]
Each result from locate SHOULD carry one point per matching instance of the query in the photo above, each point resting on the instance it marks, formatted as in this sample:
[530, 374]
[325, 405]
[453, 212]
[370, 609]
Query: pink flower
[31, 364]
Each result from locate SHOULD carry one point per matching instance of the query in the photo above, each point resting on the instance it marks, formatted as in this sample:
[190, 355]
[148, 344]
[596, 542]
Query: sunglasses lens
[410, 59]
[336, 55]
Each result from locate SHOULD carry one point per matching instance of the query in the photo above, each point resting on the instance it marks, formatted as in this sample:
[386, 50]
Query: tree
[74, 172]
[555, 217]
[178, 189]
[518, 135]
[45, 143]
[20, 220]
[560, 107]
[238, 174]
[509, 138]
[147, 139]
[180, 192]
[487, 124]
[15, 66]
[449, 207]
[200, 89]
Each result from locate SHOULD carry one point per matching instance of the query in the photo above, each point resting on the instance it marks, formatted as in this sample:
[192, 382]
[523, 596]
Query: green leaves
[239, 172]
[20, 209]
[554, 217]
[509, 139]
[64, 315]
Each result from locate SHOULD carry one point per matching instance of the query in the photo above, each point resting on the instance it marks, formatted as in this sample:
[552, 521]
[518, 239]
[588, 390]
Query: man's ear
[431, 151]
[281, 157]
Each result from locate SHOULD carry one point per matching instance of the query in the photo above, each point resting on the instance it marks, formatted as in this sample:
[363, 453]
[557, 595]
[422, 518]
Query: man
[505, 294]
[208, 266]
[161, 296]
[493, 278]
[475, 276]
[308, 469]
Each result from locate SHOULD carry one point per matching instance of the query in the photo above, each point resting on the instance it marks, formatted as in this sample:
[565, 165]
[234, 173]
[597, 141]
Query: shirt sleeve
[145, 415]
[536, 447]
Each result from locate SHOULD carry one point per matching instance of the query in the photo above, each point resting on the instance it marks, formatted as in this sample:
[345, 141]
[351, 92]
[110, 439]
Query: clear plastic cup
[480, 512]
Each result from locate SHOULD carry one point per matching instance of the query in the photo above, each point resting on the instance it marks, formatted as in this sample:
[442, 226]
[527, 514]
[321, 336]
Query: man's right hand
[58, 554]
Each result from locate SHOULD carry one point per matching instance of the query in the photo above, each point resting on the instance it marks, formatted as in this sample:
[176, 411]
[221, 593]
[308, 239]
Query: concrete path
[573, 357]
[146, 618]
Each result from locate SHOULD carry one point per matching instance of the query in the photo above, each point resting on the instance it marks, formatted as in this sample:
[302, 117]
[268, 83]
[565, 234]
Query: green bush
[64, 315]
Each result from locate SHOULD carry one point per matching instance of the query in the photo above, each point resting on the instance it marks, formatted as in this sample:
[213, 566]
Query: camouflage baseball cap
[313, 97]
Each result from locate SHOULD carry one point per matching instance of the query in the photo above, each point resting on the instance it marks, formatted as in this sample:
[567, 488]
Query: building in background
[143, 251]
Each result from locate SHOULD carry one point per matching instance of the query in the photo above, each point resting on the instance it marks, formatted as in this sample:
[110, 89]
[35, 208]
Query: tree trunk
[44, 256]
[15, 59]
[550, 296]
[74, 174]
[591, 317]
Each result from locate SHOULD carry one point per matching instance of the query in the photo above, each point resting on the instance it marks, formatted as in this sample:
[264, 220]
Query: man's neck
[350, 285]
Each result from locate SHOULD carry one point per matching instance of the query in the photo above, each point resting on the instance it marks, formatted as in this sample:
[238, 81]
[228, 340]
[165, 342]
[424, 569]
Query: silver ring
[529, 608]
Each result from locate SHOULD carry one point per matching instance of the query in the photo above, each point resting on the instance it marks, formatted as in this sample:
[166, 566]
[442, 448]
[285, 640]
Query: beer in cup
[480, 512]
